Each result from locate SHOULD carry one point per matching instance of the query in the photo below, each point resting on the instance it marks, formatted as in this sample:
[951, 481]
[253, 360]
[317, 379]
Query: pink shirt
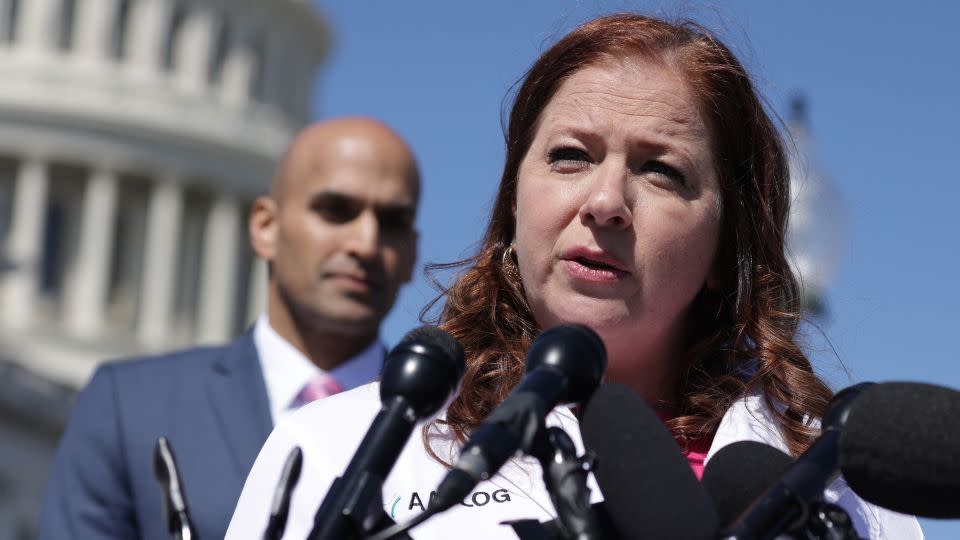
[696, 451]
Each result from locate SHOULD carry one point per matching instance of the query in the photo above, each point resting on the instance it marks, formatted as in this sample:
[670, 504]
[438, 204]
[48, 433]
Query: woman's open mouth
[586, 269]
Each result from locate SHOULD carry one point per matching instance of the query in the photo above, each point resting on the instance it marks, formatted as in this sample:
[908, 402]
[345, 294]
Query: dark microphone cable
[418, 377]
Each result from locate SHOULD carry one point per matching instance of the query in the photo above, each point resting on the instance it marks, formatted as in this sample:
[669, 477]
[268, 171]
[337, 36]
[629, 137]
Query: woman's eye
[568, 157]
[658, 167]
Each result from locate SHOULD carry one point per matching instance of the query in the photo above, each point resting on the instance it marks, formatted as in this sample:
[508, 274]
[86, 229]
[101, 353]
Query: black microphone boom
[418, 377]
[786, 505]
[564, 365]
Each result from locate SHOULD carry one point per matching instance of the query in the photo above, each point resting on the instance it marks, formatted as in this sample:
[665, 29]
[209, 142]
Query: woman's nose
[607, 203]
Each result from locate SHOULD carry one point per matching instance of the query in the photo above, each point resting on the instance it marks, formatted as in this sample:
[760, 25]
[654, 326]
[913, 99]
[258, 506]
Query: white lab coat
[328, 432]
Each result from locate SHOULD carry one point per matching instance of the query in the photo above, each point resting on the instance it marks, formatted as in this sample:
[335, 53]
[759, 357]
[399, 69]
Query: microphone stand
[362, 512]
[828, 521]
[788, 504]
[565, 476]
[353, 508]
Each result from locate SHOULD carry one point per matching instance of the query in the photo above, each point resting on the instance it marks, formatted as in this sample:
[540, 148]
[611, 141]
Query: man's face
[345, 240]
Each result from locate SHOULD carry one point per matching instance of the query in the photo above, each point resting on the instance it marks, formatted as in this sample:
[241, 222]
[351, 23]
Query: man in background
[337, 232]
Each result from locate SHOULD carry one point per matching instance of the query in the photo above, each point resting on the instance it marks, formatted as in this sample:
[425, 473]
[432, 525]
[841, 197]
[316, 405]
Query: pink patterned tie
[321, 386]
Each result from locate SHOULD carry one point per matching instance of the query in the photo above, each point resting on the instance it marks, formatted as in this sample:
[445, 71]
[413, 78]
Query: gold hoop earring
[509, 256]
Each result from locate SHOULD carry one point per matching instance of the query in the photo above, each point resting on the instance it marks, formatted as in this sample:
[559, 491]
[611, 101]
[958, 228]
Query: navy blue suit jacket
[211, 403]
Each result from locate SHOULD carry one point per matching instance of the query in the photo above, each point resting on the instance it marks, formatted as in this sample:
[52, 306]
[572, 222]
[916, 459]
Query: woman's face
[618, 214]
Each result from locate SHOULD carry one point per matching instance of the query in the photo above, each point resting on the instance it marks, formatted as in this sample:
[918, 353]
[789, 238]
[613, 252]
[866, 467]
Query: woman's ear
[262, 227]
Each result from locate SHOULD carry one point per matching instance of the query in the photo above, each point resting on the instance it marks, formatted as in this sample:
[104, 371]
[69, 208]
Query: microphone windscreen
[433, 336]
[423, 370]
[900, 448]
[740, 473]
[648, 487]
[574, 350]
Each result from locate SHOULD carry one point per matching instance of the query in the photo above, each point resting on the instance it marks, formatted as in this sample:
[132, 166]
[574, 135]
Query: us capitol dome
[133, 136]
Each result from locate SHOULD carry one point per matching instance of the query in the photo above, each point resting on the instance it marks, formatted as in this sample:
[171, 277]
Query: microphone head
[648, 487]
[740, 473]
[289, 476]
[900, 448]
[167, 475]
[280, 505]
[164, 468]
[424, 368]
[575, 351]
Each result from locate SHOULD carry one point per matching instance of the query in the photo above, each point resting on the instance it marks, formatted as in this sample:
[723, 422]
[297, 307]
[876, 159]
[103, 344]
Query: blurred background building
[133, 136]
[817, 233]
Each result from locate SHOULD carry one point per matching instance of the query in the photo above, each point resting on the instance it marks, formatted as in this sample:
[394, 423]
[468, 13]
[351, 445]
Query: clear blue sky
[883, 83]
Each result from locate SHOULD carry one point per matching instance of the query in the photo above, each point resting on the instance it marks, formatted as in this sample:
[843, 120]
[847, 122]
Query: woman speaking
[645, 195]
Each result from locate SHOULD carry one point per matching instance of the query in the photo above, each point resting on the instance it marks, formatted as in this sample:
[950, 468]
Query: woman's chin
[602, 316]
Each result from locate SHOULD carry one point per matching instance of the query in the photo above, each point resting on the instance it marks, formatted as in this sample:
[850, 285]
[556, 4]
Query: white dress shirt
[329, 430]
[286, 370]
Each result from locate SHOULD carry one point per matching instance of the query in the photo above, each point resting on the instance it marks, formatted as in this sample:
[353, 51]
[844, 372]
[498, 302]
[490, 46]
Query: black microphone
[175, 511]
[418, 377]
[563, 365]
[900, 448]
[741, 472]
[649, 489]
[280, 507]
[787, 504]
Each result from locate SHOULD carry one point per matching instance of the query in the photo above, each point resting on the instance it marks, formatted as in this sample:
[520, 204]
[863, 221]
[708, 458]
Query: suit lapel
[238, 397]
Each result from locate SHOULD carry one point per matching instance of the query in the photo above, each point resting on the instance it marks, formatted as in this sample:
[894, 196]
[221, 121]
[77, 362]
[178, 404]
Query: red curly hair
[740, 337]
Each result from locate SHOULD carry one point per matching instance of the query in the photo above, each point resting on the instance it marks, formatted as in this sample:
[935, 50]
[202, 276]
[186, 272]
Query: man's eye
[397, 221]
[660, 168]
[335, 211]
[568, 157]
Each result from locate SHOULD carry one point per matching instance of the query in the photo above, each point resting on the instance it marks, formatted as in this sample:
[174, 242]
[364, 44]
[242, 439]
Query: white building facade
[133, 136]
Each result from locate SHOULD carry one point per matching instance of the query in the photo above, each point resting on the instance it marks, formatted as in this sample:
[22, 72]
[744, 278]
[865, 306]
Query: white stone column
[193, 50]
[37, 31]
[274, 69]
[25, 244]
[4, 13]
[94, 29]
[303, 91]
[87, 282]
[236, 77]
[147, 35]
[162, 240]
[257, 293]
[218, 271]
[293, 73]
